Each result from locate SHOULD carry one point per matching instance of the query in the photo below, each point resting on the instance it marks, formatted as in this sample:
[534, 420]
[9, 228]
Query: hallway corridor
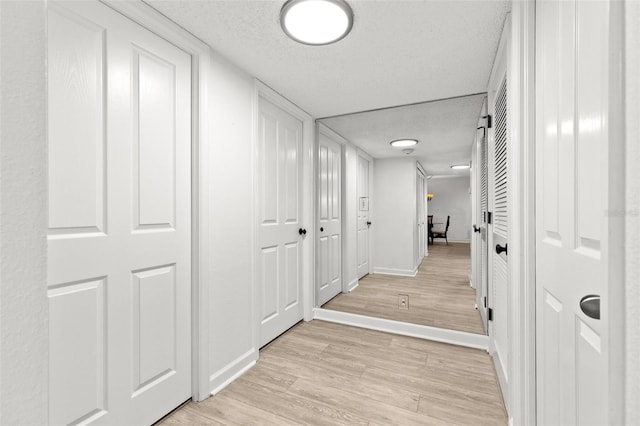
[321, 373]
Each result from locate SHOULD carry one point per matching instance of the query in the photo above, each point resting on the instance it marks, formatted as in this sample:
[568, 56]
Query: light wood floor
[320, 373]
[439, 295]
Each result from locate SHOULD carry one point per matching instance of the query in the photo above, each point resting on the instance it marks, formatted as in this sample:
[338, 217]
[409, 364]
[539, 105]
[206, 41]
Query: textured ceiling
[446, 129]
[398, 52]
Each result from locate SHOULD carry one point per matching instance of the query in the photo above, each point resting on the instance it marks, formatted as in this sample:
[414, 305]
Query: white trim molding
[222, 378]
[398, 272]
[469, 340]
[631, 296]
[352, 285]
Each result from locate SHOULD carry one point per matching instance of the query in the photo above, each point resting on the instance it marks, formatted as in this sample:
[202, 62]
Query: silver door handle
[590, 305]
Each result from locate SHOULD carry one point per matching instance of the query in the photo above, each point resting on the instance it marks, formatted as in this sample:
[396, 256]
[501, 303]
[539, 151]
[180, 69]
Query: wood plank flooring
[439, 295]
[321, 373]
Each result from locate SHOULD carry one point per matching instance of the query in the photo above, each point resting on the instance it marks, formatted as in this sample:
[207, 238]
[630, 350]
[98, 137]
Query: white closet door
[329, 266]
[483, 264]
[119, 218]
[279, 203]
[498, 224]
[364, 221]
[572, 212]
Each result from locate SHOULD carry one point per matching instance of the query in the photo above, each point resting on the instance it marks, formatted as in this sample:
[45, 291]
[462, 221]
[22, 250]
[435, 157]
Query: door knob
[368, 223]
[590, 305]
[321, 229]
[302, 231]
[476, 229]
[500, 249]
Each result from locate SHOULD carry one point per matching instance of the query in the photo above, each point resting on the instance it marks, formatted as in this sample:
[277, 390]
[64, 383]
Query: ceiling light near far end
[460, 166]
[403, 143]
[316, 22]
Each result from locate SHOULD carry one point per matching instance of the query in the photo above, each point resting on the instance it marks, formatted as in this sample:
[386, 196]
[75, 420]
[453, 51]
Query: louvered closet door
[484, 204]
[498, 207]
[119, 243]
[499, 221]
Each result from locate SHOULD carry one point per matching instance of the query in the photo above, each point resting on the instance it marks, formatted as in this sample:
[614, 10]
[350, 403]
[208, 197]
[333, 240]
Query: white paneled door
[280, 232]
[497, 226]
[119, 261]
[329, 265]
[364, 221]
[572, 212]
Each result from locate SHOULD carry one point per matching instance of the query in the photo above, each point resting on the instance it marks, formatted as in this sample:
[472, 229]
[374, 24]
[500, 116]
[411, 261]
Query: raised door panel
[323, 169]
[268, 196]
[154, 326]
[77, 157]
[77, 334]
[291, 174]
[154, 106]
[292, 271]
[269, 274]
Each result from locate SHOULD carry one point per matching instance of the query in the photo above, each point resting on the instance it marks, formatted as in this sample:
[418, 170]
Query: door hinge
[490, 314]
[489, 121]
[489, 217]
[484, 301]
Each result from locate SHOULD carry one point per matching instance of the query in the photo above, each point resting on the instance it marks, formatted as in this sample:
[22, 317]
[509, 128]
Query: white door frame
[631, 210]
[308, 203]
[201, 207]
[521, 239]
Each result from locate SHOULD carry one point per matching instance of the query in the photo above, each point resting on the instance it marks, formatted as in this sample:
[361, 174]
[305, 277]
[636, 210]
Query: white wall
[24, 327]
[230, 292]
[394, 215]
[451, 198]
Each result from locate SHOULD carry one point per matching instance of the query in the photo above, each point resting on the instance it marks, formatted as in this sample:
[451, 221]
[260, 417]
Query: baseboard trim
[352, 285]
[502, 379]
[398, 272]
[460, 338]
[232, 371]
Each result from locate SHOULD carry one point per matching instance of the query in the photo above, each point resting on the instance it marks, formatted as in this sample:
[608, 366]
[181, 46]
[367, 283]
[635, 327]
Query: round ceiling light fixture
[403, 143]
[460, 166]
[316, 22]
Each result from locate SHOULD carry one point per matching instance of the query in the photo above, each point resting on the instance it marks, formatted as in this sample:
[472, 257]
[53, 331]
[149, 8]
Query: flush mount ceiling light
[316, 22]
[403, 143]
[460, 166]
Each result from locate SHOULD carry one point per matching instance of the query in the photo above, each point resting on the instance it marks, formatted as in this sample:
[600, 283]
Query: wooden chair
[429, 229]
[441, 234]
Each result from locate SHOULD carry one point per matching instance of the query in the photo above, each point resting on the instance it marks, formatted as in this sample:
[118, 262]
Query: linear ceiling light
[316, 22]
[460, 166]
[403, 143]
